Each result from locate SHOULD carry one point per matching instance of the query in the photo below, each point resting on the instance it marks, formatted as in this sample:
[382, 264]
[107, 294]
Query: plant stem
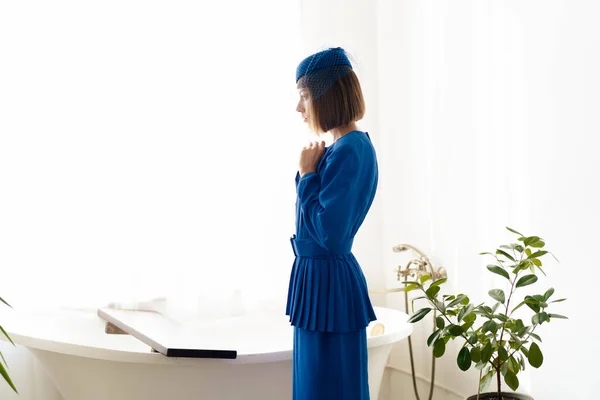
[479, 386]
[499, 369]
[499, 381]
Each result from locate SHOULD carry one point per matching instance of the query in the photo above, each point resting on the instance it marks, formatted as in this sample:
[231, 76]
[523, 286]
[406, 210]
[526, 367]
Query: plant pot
[505, 396]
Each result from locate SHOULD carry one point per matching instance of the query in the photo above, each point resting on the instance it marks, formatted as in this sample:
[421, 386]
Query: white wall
[489, 114]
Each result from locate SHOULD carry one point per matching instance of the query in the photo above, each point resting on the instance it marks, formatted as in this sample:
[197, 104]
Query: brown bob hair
[342, 104]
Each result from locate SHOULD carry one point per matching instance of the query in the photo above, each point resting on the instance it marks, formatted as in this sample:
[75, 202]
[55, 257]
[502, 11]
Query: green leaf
[465, 311]
[473, 339]
[539, 318]
[537, 262]
[497, 294]
[538, 244]
[519, 324]
[513, 365]
[517, 307]
[489, 326]
[470, 317]
[532, 303]
[505, 254]
[535, 336]
[522, 266]
[432, 291]
[557, 316]
[485, 380]
[480, 366]
[4, 373]
[466, 326]
[455, 330]
[504, 369]
[3, 359]
[6, 334]
[548, 293]
[439, 348]
[501, 317]
[2, 300]
[498, 270]
[511, 380]
[424, 278]
[433, 337]
[457, 300]
[419, 315]
[538, 253]
[439, 282]
[440, 323]
[516, 342]
[532, 239]
[535, 357]
[475, 354]
[513, 231]
[439, 304]
[484, 310]
[486, 353]
[526, 280]
[410, 287]
[464, 359]
[558, 301]
[502, 353]
[522, 363]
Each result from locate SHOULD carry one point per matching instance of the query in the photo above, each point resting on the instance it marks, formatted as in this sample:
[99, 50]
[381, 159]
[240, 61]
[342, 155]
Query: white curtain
[488, 110]
[148, 149]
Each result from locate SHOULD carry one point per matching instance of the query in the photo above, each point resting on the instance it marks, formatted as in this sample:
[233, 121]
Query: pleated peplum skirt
[329, 307]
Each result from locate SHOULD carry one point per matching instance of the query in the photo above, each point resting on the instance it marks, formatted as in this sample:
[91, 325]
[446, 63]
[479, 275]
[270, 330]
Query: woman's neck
[337, 133]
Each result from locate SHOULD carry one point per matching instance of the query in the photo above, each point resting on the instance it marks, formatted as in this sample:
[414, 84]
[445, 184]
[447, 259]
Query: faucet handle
[441, 273]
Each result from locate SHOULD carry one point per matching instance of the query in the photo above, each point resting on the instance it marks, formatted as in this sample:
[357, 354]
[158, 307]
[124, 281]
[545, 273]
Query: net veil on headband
[321, 70]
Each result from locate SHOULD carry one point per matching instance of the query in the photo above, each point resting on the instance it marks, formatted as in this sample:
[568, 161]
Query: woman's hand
[310, 157]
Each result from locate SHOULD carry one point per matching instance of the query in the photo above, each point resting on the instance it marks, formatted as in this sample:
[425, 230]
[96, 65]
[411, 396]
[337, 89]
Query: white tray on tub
[167, 336]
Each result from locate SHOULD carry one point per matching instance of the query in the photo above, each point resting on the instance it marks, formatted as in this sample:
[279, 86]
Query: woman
[328, 301]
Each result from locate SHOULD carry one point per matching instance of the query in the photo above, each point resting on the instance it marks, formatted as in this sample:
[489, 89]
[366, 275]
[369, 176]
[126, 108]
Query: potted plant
[494, 338]
[3, 364]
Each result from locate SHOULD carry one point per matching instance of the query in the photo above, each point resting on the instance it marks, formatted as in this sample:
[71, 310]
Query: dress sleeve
[328, 199]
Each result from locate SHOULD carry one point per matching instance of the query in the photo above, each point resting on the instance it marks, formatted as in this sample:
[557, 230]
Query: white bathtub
[85, 363]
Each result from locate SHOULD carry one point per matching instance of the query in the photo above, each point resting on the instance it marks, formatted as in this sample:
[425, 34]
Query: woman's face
[302, 106]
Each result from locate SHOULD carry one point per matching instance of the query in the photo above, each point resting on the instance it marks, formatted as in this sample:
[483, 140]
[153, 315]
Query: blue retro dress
[328, 302]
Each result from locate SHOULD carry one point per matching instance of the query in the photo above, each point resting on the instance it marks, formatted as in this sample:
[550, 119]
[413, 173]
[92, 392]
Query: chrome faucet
[423, 265]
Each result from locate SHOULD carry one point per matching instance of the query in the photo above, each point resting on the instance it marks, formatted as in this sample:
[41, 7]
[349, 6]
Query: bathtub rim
[149, 357]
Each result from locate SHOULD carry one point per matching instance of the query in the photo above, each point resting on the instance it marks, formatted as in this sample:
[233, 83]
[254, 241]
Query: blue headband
[323, 59]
